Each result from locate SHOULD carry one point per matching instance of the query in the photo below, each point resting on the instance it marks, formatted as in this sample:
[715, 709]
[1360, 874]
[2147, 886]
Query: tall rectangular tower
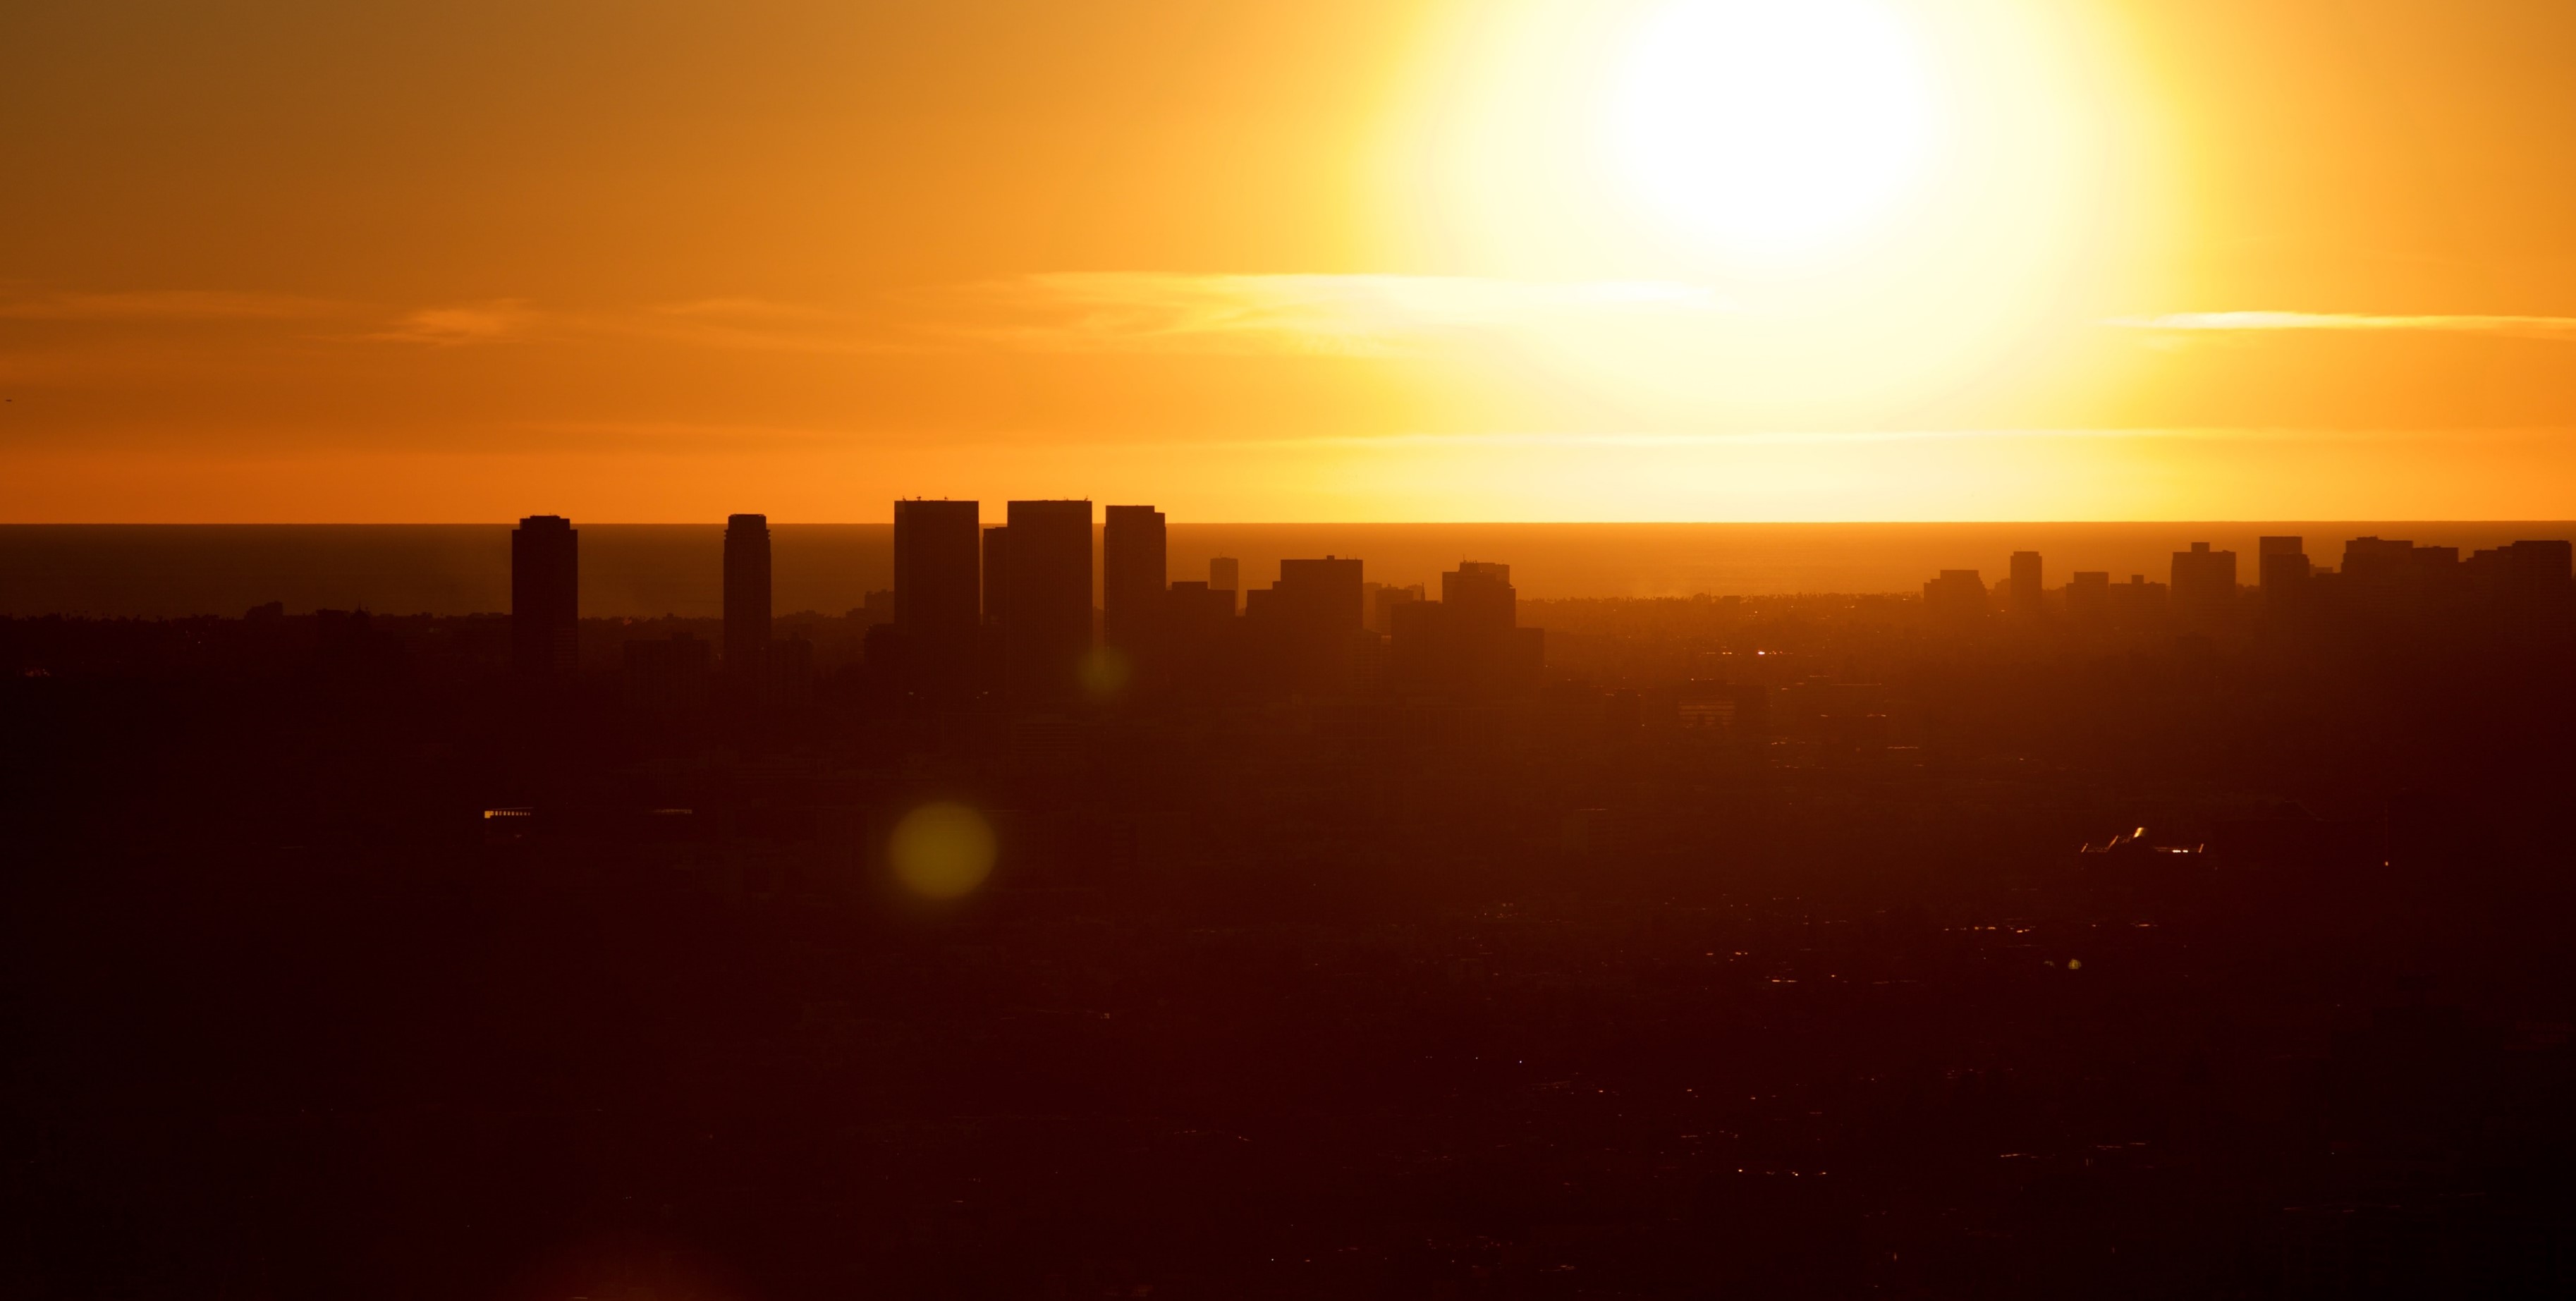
[2204, 586]
[1048, 620]
[2281, 566]
[2022, 596]
[1321, 595]
[1956, 599]
[1132, 574]
[545, 596]
[936, 606]
[746, 595]
[1480, 597]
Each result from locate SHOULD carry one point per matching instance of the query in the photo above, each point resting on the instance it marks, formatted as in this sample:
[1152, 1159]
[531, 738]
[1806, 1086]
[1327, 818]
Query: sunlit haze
[1339, 260]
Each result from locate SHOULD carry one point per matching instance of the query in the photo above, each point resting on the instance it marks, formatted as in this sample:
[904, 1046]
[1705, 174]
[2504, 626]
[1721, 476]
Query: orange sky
[1321, 259]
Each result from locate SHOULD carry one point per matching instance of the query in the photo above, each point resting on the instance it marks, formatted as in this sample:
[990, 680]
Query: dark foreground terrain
[1750, 954]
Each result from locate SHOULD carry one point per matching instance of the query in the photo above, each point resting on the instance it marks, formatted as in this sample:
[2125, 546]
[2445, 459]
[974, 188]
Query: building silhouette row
[1007, 610]
[2378, 579]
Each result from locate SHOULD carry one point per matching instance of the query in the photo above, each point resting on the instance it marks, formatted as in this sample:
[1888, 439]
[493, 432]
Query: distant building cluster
[2380, 581]
[1006, 612]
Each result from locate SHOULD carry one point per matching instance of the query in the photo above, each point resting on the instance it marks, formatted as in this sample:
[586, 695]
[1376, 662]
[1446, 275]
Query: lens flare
[1105, 672]
[942, 851]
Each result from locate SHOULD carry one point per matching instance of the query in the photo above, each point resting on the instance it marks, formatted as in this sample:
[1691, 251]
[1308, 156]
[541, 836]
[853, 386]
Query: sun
[1771, 127]
[1876, 212]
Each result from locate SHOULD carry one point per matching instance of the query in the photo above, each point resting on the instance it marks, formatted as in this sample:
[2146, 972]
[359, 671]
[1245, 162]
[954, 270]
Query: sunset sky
[1289, 259]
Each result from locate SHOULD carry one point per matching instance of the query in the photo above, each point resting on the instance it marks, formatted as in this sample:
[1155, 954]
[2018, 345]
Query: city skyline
[1283, 650]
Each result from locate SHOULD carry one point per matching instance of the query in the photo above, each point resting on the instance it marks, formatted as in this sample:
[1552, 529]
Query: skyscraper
[2088, 598]
[1381, 616]
[2023, 596]
[1197, 621]
[936, 604]
[1048, 619]
[1480, 597]
[1323, 595]
[545, 596]
[2281, 566]
[1309, 621]
[1132, 575]
[746, 596]
[2204, 586]
[1470, 639]
[1957, 597]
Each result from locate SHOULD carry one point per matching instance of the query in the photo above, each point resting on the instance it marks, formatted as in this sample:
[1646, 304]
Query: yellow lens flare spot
[1772, 126]
[1105, 673]
[942, 851]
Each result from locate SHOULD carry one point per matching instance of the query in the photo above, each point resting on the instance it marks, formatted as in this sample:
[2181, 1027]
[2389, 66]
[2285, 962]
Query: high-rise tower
[1132, 574]
[936, 606]
[545, 596]
[1047, 618]
[746, 595]
[2204, 586]
[2022, 596]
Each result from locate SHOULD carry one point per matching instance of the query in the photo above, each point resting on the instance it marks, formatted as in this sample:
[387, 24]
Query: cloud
[1348, 315]
[463, 323]
[758, 325]
[1081, 312]
[165, 305]
[2520, 327]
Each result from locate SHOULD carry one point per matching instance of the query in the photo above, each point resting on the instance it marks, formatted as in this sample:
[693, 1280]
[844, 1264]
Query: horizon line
[717, 522]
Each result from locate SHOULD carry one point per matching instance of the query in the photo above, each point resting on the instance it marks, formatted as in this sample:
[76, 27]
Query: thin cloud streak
[758, 325]
[462, 323]
[1329, 315]
[1066, 312]
[2521, 327]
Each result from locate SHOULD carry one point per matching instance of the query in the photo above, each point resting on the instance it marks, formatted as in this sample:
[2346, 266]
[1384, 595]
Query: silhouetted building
[936, 602]
[2138, 603]
[1196, 622]
[2522, 573]
[2088, 598]
[1383, 602]
[875, 608]
[545, 596]
[2281, 566]
[746, 595]
[1132, 574]
[1047, 624]
[2204, 586]
[2394, 578]
[1225, 574]
[1956, 598]
[1307, 620]
[2542, 564]
[2023, 596]
[1480, 597]
[1321, 594]
[2375, 559]
[1469, 640]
